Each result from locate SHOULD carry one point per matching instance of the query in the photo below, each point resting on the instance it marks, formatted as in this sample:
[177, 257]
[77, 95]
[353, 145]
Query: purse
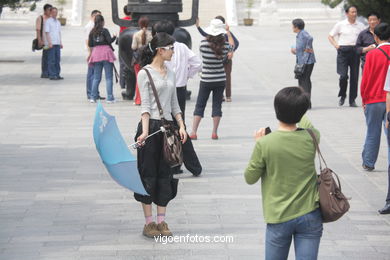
[35, 43]
[172, 149]
[333, 203]
[299, 69]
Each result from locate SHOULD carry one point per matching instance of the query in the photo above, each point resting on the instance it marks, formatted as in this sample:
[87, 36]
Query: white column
[231, 12]
[77, 12]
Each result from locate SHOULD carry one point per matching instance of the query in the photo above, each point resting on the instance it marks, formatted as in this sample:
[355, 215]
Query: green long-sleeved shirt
[284, 160]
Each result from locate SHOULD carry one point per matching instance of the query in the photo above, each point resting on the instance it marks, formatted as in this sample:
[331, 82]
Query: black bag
[299, 69]
[35, 42]
[172, 146]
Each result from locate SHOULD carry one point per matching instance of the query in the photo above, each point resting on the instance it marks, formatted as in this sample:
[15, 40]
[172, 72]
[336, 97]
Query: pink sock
[160, 218]
[148, 219]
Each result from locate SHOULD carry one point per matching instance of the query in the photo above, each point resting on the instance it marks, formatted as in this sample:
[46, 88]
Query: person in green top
[284, 160]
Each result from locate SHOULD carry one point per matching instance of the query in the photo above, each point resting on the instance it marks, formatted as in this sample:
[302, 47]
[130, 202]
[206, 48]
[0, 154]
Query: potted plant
[61, 4]
[249, 4]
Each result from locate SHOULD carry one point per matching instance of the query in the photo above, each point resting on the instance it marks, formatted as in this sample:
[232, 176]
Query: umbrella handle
[137, 145]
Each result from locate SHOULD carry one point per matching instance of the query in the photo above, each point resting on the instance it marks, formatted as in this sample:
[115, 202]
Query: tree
[13, 3]
[382, 7]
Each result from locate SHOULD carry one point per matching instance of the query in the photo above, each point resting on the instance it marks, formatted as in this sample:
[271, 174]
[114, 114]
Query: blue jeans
[307, 232]
[375, 114]
[44, 63]
[54, 59]
[89, 81]
[97, 76]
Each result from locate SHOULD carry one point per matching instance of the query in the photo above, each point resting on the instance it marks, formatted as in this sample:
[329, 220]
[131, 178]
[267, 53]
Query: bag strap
[155, 93]
[388, 58]
[320, 157]
[116, 73]
[41, 26]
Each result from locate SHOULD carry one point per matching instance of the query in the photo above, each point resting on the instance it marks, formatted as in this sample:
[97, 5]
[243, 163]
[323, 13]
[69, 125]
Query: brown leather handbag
[333, 203]
[172, 146]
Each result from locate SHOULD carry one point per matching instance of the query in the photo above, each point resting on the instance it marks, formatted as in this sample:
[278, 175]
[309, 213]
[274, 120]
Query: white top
[166, 90]
[347, 32]
[87, 30]
[38, 26]
[53, 27]
[137, 39]
[387, 82]
[184, 63]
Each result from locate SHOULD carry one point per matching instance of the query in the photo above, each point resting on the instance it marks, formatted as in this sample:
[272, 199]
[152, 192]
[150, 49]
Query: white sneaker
[92, 101]
[110, 101]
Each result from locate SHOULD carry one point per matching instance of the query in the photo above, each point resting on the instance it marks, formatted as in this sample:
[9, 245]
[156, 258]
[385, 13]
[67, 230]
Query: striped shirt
[212, 70]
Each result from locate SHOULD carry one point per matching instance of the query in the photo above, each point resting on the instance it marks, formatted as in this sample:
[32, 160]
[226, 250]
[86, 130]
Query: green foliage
[14, 4]
[382, 7]
[33, 7]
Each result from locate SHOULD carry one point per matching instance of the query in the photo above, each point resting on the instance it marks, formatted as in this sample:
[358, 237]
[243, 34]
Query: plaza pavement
[58, 202]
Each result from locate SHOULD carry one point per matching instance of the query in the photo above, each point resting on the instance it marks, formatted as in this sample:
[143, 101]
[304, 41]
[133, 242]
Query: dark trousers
[44, 63]
[304, 81]
[205, 89]
[181, 93]
[54, 59]
[228, 70]
[388, 170]
[126, 79]
[347, 57]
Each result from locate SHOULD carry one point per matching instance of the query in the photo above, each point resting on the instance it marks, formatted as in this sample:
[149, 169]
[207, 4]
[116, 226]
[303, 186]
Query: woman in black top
[101, 56]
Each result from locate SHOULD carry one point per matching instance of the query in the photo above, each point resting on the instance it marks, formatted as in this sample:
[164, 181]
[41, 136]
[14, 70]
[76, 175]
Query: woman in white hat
[214, 50]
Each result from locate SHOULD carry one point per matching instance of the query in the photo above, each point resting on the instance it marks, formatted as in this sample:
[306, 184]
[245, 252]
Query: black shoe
[353, 104]
[188, 95]
[341, 101]
[55, 78]
[368, 168]
[59, 77]
[385, 209]
[101, 98]
[125, 96]
[178, 171]
[44, 77]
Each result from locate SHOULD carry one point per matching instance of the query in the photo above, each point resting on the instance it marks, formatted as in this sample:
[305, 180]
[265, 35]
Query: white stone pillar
[231, 12]
[77, 12]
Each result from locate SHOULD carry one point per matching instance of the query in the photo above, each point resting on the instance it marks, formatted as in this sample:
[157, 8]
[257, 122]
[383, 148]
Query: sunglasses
[168, 48]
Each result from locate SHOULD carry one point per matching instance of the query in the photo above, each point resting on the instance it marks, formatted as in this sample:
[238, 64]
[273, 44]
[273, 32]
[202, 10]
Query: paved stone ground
[58, 202]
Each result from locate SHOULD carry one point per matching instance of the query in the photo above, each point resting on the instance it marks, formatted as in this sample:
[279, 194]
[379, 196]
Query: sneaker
[164, 230]
[151, 230]
[353, 104]
[368, 168]
[341, 101]
[110, 101]
[92, 101]
[101, 98]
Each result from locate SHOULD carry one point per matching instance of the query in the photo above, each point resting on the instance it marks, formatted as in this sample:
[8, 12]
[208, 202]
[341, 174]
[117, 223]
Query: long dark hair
[217, 44]
[143, 23]
[149, 51]
[99, 24]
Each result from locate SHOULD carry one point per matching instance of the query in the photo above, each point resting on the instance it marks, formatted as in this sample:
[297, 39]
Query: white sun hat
[216, 27]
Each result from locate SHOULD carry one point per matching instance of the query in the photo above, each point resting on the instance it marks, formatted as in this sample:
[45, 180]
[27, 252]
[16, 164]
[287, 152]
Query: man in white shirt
[41, 36]
[54, 42]
[87, 30]
[347, 32]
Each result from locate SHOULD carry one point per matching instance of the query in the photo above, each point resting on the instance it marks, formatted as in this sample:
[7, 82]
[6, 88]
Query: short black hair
[220, 17]
[349, 7]
[125, 11]
[299, 23]
[95, 12]
[291, 104]
[382, 31]
[163, 26]
[47, 6]
[373, 14]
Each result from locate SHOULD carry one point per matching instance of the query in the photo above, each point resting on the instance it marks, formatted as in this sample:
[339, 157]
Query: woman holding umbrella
[155, 173]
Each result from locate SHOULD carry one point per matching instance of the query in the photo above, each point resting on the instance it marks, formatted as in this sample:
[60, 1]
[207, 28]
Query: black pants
[126, 79]
[347, 57]
[304, 81]
[388, 170]
[205, 89]
[181, 93]
[156, 175]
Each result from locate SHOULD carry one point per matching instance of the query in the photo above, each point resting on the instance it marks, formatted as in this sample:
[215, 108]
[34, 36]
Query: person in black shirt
[365, 41]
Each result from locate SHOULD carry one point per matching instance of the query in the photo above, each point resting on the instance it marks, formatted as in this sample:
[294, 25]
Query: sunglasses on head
[168, 48]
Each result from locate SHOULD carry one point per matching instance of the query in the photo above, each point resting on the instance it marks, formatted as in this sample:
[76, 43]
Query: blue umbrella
[117, 158]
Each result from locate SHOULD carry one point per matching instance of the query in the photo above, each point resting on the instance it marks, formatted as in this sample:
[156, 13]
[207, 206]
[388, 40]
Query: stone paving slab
[57, 200]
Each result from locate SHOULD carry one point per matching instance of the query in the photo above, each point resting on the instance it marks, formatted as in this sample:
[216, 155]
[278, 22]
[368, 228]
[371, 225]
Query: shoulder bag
[35, 42]
[333, 203]
[299, 69]
[172, 146]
